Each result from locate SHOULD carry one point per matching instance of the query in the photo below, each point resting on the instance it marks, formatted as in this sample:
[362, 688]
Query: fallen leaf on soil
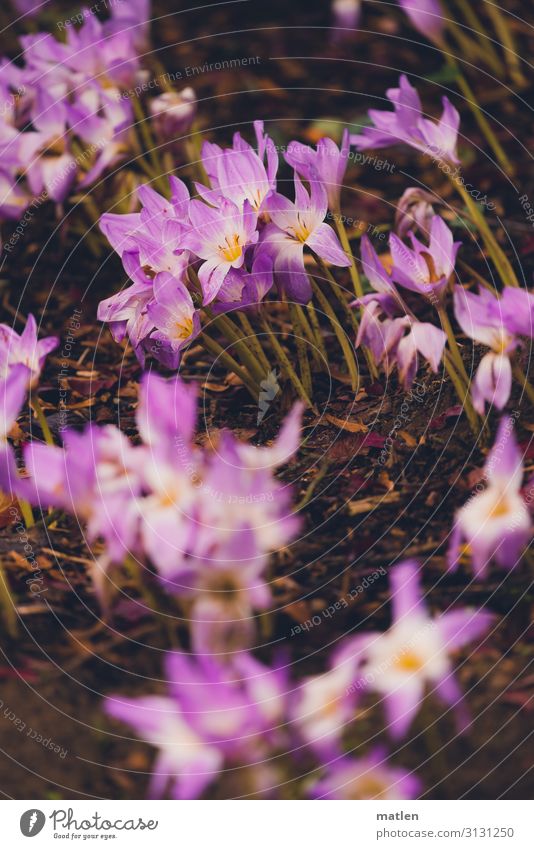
[344, 424]
[366, 505]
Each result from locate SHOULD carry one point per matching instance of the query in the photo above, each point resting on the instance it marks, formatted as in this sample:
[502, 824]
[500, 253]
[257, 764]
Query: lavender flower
[370, 777]
[414, 652]
[426, 269]
[213, 718]
[173, 113]
[394, 340]
[327, 164]
[426, 16]
[25, 349]
[406, 125]
[294, 226]
[495, 523]
[497, 323]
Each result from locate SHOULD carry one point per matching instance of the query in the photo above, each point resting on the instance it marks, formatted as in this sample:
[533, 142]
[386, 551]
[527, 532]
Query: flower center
[367, 788]
[183, 329]
[232, 250]
[500, 508]
[302, 231]
[409, 662]
[433, 276]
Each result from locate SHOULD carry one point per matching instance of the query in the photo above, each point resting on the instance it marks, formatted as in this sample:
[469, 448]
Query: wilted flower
[495, 523]
[496, 323]
[369, 777]
[407, 125]
[414, 652]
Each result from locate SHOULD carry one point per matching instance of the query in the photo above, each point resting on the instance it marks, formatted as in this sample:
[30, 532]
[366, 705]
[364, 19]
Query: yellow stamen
[233, 249]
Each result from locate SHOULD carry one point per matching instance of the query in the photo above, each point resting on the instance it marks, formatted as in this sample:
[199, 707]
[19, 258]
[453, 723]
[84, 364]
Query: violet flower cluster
[225, 250]
[239, 715]
[206, 521]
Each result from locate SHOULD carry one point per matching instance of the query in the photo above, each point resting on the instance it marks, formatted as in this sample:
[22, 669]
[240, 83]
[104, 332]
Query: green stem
[453, 345]
[358, 288]
[41, 418]
[510, 53]
[310, 336]
[488, 50]
[232, 365]
[246, 355]
[521, 378]
[6, 601]
[27, 513]
[148, 143]
[316, 327]
[254, 341]
[286, 365]
[500, 260]
[463, 395]
[345, 244]
[304, 365]
[340, 334]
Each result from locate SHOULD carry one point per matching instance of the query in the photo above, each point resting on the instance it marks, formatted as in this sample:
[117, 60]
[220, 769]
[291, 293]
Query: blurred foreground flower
[414, 653]
[495, 523]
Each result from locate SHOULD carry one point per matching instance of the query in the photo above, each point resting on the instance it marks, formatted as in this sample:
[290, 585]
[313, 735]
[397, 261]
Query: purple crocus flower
[242, 288]
[294, 226]
[174, 316]
[240, 173]
[13, 390]
[383, 330]
[324, 706]
[407, 125]
[328, 164]
[369, 777]
[422, 268]
[495, 523]
[173, 113]
[346, 15]
[426, 16]
[497, 323]
[24, 348]
[414, 212]
[414, 652]
[214, 717]
[219, 236]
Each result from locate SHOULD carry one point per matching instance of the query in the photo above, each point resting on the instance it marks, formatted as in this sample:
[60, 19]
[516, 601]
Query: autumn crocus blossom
[327, 164]
[426, 16]
[25, 348]
[425, 269]
[394, 337]
[213, 717]
[497, 323]
[368, 777]
[294, 226]
[414, 653]
[495, 523]
[406, 125]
